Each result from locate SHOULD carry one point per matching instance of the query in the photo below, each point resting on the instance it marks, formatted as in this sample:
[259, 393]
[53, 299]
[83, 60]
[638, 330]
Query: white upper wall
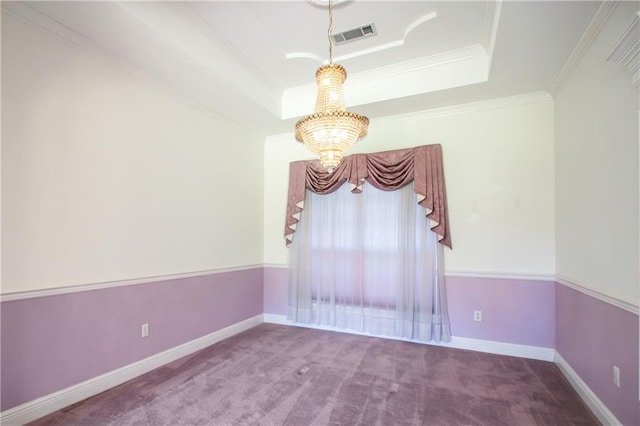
[597, 169]
[499, 172]
[105, 178]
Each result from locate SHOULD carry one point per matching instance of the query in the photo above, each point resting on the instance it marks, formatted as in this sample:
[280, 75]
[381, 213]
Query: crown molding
[62, 33]
[395, 70]
[627, 50]
[196, 21]
[399, 69]
[490, 28]
[506, 102]
[467, 65]
[588, 36]
[488, 24]
[474, 57]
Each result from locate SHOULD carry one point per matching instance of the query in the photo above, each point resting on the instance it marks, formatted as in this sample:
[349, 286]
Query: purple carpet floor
[274, 374]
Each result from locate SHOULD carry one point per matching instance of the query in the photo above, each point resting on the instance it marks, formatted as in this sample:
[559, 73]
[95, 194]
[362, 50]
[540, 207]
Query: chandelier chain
[329, 32]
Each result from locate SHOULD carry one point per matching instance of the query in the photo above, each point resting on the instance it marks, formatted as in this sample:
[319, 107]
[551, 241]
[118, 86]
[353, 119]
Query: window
[366, 262]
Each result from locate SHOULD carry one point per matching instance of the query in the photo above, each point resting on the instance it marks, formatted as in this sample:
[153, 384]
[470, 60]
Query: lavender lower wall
[50, 343]
[593, 336]
[513, 311]
[276, 290]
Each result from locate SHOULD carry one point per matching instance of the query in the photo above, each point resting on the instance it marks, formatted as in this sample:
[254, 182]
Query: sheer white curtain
[368, 262]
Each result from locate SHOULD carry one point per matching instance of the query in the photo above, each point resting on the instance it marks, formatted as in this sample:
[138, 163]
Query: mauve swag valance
[387, 170]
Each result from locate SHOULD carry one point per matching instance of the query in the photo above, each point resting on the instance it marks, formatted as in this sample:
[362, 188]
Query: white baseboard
[488, 346]
[501, 348]
[276, 319]
[47, 404]
[591, 399]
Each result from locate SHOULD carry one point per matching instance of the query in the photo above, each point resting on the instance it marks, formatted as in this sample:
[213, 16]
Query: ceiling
[254, 62]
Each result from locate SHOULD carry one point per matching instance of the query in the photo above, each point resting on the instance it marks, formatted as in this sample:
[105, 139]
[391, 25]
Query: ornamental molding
[75, 40]
[468, 108]
[627, 50]
[589, 34]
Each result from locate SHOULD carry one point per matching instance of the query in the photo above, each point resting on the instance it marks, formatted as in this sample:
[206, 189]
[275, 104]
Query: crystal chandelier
[331, 130]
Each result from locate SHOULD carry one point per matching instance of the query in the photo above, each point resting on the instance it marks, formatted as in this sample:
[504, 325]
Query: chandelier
[331, 130]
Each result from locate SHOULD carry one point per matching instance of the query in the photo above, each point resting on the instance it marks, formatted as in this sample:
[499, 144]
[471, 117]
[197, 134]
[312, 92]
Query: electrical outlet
[477, 315]
[616, 376]
[145, 330]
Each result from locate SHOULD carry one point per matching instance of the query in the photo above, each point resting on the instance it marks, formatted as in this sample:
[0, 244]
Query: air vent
[354, 34]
